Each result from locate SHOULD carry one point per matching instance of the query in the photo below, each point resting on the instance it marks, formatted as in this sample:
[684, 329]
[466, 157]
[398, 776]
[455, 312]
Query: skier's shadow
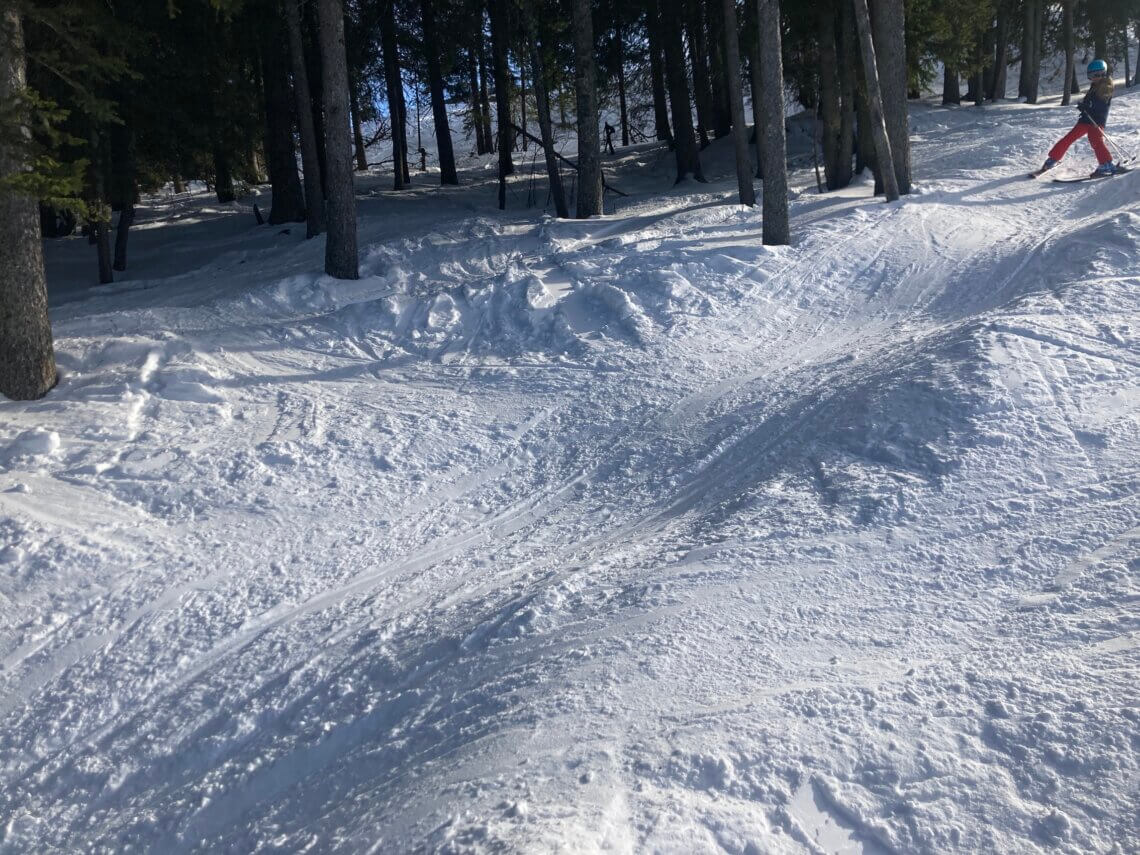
[966, 194]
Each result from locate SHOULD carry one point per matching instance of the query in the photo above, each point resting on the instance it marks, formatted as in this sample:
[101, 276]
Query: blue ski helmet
[1097, 68]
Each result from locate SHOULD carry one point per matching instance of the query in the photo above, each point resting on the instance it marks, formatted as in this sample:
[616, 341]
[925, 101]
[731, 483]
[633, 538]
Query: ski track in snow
[620, 535]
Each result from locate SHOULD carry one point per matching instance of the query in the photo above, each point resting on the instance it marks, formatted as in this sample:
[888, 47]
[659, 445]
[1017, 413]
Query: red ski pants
[1096, 140]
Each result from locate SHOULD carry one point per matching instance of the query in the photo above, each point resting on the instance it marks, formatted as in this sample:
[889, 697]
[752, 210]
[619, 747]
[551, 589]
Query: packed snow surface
[626, 535]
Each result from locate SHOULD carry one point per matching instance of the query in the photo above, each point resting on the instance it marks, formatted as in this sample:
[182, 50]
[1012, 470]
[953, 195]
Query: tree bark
[698, 56]
[476, 105]
[951, 86]
[877, 123]
[223, 176]
[1098, 28]
[848, 81]
[657, 75]
[830, 105]
[341, 260]
[542, 104]
[890, 43]
[314, 193]
[773, 142]
[1030, 79]
[736, 104]
[1069, 42]
[280, 154]
[623, 111]
[393, 87]
[718, 71]
[502, 75]
[484, 94]
[124, 187]
[585, 84]
[27, 360]
[1001, 51]
[447, 173]
[684, 138]
[357, 130]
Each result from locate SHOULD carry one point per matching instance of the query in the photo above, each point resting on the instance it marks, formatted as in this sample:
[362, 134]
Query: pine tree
[341, 260]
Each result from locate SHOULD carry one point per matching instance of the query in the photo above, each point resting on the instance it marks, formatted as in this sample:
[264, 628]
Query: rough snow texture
[623, 535]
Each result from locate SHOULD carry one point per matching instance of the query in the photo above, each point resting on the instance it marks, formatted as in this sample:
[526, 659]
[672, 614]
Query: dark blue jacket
[1094, 106]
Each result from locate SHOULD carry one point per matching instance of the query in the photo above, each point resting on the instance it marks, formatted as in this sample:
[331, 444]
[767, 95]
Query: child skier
[1094, 116]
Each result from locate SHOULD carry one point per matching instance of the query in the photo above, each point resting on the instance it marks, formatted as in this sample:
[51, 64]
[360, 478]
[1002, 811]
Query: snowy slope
[624, 535]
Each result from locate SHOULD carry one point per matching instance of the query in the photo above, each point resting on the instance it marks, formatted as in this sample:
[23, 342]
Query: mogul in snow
[1094, 116]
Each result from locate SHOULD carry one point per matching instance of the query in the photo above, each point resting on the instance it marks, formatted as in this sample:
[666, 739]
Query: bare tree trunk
[522, 104]
[1070, 47]
[357, 130]
[698, 57]
[736, 104]
[484, 94]
[542, 104]
[622, 110]
[951, 86]
[829, 97]
[848, 82]
[310, 162]
[223, 176]
[1124, 50]
[878, 125]
[585, 83]
[752, 46]
[124, 187]
[476, 111]
[393, 85]
[657, 75]
[499, 41]
[1001, 51]
[1030, 79]
[447, 173]
[341, 259]
[890, 41]
[684, 138]
[718, 73]
[281, 156]
[773, 142]
[27, 361]
[1098, 28]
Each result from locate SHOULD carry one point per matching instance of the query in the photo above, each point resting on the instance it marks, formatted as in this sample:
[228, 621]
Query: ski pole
[1121, 152]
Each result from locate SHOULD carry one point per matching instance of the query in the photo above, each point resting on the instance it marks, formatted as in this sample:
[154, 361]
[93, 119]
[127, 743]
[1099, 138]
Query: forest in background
[102, 102]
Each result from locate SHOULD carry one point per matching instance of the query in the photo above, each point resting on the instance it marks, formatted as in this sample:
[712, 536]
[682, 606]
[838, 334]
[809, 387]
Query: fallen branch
[566, 160]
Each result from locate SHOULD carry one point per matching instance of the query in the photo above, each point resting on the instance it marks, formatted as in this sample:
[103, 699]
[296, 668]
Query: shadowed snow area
[626, 535]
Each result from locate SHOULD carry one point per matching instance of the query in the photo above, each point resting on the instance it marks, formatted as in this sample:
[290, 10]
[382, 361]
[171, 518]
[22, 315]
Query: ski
[1120, 170]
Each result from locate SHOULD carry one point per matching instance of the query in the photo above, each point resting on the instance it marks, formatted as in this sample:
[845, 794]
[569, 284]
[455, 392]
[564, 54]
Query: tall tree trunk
[1030, 79]
[877, 122]
[755, 87]
[223, 175]
[731, 35]
[310, 162]
[315, 74]
[473, 86]
[773, 143]
[393, 86]
[951, 86]
[499, 42]
[1124, 50]
[890, 44]
[1098, 28]
[978, 79]
[447, 173]
[542, 105]
[848, 81]
[357, 129]
[585, 84]
[657, 75]
[623, 112]
[692, 12]
[684, 138]
[522, 104]
[341, 260]
[830, 108]
[402, 127]
[1001, 51]
[27, 360]
[280, 154]
[124, 187]
[1070, 45]
[718, 74]
[484, 94]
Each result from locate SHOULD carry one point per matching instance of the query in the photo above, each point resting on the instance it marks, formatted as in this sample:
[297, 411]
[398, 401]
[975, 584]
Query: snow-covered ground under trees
[627, 535]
